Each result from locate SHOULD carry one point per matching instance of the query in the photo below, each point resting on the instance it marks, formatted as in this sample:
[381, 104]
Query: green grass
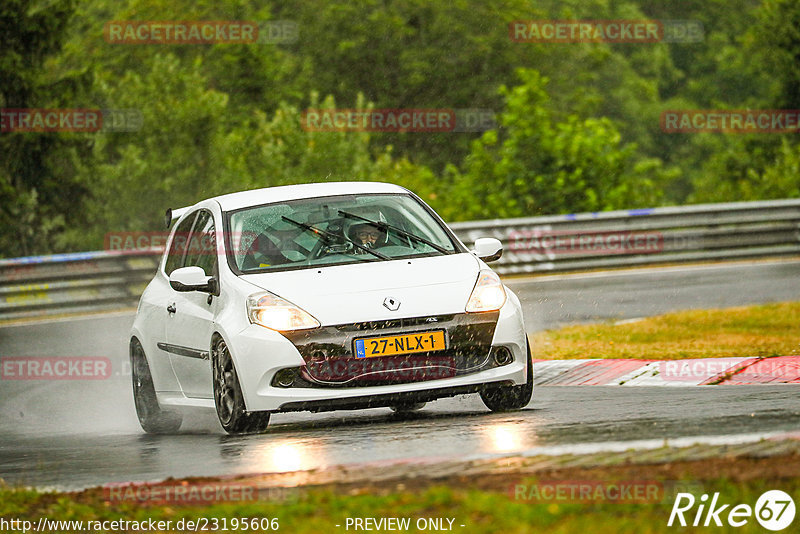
[763, 331]
[480, 511]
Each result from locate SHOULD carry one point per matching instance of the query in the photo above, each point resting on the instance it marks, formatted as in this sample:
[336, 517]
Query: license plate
[370, 347]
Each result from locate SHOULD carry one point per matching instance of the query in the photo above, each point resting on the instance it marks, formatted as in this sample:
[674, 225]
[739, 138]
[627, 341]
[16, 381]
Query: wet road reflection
[81, 454]
[78, 434]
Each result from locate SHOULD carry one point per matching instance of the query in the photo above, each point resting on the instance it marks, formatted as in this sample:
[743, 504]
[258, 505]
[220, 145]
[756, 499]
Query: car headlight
[488, 294]
[268, 309]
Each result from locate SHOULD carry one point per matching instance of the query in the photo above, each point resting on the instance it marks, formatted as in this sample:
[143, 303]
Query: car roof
[255, 197]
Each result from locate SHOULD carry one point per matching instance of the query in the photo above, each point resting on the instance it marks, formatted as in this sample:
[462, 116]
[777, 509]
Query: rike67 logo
[774, 510]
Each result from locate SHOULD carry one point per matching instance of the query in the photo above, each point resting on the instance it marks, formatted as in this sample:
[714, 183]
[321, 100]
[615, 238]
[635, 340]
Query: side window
[202, 251]
[179, 244]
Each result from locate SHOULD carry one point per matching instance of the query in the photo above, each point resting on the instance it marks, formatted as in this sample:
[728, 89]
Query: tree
[536, 165]
[39, 192]
[193, 145]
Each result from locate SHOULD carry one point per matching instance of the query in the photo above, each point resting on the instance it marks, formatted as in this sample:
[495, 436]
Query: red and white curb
[697, 372]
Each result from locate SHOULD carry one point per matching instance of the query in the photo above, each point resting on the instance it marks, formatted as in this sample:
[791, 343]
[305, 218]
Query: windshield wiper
[327, 237]
[386, 226]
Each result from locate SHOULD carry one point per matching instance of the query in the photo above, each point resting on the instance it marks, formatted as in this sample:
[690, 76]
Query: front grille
[330, 361]
[395, 323]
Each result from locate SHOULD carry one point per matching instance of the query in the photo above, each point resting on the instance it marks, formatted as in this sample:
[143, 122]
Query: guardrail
[109, 279]
[642, 237]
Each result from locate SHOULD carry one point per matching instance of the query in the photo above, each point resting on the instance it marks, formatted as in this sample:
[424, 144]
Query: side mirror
[191, 279]
[488, 249]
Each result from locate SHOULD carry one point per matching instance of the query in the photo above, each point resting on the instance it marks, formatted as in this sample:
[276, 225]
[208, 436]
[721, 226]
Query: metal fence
[110, 279]
[642, 237]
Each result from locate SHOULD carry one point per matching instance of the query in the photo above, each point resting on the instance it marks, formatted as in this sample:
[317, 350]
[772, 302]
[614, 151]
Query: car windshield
[313, 232]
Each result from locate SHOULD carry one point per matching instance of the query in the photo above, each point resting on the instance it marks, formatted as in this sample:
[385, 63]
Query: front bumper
[330, 359]
[329, 377]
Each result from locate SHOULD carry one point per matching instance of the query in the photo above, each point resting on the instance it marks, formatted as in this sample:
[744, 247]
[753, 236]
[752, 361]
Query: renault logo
[391, 303]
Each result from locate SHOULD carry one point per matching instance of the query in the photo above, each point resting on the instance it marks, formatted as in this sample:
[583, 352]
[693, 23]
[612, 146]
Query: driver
[367, 235]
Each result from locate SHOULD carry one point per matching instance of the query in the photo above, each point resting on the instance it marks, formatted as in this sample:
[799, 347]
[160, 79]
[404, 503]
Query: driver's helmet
[364, 233]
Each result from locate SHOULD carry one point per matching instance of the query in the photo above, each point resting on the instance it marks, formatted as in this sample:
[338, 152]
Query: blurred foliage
[535, 164]
[577, 124]
[40, 191]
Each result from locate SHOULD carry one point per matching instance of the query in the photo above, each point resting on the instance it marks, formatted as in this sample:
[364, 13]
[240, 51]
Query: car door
[191, 320]
[157, 300]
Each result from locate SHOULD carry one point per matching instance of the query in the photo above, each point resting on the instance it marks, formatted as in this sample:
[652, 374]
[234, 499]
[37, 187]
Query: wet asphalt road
[78, 434]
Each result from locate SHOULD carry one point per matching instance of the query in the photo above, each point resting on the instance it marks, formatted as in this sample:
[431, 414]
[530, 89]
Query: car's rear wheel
[152, 418]
[408, 407]
[228, 396]
[506, 398]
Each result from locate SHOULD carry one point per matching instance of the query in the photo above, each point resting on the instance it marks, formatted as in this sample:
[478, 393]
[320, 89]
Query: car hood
[341, 294]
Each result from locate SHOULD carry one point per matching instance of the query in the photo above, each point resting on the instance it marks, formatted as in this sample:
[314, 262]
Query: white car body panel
[191, 326]
[245, 199]
[351, 293]
[334, 295]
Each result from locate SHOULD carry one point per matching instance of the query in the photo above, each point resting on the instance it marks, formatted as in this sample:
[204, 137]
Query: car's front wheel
[228, 396]
[505, 398]
[152, 418]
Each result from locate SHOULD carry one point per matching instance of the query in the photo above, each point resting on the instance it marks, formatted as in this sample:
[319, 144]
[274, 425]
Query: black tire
[228, 396]
[507, 398]
[152, 418]
[408, 407]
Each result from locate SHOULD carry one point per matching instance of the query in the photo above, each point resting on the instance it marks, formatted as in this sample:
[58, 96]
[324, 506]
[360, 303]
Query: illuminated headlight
[267, 309]
[488, 294]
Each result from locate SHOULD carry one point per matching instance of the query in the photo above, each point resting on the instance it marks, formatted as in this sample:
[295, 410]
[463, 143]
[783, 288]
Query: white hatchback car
[322, 297]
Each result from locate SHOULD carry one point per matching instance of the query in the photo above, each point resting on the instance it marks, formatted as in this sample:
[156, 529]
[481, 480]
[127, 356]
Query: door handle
[171, 308]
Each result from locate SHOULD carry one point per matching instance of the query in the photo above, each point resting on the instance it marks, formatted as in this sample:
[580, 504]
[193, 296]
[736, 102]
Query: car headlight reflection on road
[289, 456]
[504, 438]
[271, 311]
[488, 294]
